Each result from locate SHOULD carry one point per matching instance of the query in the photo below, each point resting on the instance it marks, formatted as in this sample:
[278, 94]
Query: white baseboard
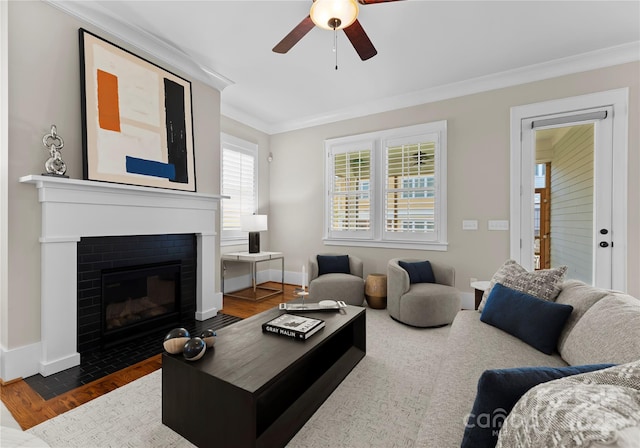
[207, 314]
[467, 299]
[49, 368]
[20, 362]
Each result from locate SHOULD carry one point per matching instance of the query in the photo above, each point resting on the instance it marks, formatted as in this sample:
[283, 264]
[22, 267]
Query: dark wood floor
[29, 409]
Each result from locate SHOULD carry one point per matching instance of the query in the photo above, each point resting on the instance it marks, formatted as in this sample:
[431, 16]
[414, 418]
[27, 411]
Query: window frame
[349, 145]
[231, 237]
[379, 141]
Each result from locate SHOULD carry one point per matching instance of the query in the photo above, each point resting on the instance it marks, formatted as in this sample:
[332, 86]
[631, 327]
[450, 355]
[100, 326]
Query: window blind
[350, 194]
[238, 182]
[410, 195]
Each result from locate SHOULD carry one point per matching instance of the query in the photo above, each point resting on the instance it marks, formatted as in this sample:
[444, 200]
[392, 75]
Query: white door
[584, 246]
[608, 254]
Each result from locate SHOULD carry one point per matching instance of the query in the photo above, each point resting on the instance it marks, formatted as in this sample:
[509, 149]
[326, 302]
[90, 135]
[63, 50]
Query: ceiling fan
[334, 15]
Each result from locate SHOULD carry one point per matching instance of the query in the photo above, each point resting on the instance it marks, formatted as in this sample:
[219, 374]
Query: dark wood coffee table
[255, 389]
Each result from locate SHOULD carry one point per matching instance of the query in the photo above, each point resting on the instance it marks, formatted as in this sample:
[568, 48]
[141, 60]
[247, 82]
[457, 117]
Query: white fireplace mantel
[72, 209]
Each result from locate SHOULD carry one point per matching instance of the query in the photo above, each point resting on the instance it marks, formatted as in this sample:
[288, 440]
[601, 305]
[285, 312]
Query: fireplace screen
[141, 295]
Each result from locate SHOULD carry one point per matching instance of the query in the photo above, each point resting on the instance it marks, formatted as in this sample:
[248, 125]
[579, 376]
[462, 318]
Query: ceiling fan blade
[369, 2]
[294, 36]
[360, 41]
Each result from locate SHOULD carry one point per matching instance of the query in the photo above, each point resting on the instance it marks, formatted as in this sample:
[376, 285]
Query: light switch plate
[496, 224]
[470, 224]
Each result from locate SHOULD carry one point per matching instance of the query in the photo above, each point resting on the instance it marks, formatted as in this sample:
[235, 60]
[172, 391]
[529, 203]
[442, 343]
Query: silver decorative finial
[54, 166]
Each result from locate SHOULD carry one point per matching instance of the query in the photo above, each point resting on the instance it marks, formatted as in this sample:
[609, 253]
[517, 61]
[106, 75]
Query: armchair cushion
[333, 264]
[419, 272]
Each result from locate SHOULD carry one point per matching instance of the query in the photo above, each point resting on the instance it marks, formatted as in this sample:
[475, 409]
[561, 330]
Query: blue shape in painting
[151, 168]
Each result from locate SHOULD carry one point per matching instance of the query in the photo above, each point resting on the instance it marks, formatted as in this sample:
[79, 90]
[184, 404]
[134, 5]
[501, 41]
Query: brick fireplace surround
[72, 209]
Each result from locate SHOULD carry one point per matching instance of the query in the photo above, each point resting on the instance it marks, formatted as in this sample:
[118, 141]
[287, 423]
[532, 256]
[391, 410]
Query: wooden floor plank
[30, 409]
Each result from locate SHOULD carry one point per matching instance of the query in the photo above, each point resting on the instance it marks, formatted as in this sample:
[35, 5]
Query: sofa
[603, 327]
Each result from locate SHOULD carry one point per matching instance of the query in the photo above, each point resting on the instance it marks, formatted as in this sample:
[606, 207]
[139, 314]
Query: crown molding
[97, 15]
[230, 111]
[593, 60]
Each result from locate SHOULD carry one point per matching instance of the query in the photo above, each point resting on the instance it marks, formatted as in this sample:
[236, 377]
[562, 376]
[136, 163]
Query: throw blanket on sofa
[601, 407]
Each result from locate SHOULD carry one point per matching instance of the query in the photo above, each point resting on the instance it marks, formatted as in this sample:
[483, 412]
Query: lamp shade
[325, 12]
[253, 223]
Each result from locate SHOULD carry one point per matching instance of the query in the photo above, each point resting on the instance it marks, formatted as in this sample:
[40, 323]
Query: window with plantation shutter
[410, 197]
[349, 191]
[239, 182]
[388, 188]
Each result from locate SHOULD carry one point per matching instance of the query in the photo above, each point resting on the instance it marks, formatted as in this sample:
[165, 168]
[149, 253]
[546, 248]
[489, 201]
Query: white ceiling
[427, 50]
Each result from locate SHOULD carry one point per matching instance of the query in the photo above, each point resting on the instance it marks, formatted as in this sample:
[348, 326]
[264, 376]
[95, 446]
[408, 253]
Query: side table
[375, 291]
[253, 259]
[480, 288]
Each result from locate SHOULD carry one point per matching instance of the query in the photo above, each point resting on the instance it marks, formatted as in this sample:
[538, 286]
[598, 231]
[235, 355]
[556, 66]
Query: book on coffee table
[297, 327]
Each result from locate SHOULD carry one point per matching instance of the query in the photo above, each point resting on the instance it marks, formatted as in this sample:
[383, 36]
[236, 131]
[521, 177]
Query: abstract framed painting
[137, 119]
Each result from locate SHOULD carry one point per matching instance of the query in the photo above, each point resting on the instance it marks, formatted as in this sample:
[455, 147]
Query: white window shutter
[239, 182]
[350, 192]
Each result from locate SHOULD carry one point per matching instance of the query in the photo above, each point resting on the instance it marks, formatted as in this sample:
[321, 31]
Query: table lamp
[253, 224]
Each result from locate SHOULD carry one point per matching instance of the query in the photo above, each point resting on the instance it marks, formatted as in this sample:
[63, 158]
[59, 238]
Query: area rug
[381, 403]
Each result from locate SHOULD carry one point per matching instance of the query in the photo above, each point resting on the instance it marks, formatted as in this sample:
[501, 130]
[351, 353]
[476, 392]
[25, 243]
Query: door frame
[523, 159]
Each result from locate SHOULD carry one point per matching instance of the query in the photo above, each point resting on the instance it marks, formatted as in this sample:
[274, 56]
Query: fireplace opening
[139, 299]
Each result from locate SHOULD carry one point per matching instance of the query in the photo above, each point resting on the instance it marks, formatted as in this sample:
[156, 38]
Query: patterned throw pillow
[498, 392]
[544, 284]
[589, 409]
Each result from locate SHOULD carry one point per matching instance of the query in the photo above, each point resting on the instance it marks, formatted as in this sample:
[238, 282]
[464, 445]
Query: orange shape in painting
[108, 109]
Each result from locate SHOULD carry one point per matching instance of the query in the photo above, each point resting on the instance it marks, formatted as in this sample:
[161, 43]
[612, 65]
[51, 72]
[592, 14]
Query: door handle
[604, 231]
[604, 244]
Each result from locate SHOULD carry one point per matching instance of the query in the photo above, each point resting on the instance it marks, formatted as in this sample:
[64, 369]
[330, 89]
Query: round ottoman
[427, 305]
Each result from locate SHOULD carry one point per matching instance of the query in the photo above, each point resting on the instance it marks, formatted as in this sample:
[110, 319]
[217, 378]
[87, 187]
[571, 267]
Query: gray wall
[241, 270]
[478, 175]
[44, 89]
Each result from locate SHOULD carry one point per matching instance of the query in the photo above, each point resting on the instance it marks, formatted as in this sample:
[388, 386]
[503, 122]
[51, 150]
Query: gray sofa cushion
[608, 332]
[581, 297]
[472, 348]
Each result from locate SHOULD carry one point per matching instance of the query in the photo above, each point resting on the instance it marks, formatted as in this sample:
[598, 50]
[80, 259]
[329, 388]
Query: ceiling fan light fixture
[334, 14]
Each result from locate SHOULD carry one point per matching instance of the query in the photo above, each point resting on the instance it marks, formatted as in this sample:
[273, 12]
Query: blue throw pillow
[419, 271]
[534, 321]
[333, 264]
[498, 392]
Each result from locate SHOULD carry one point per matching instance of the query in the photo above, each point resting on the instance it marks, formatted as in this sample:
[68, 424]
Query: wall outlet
[470, 224]
[472, 280]
[496, 224]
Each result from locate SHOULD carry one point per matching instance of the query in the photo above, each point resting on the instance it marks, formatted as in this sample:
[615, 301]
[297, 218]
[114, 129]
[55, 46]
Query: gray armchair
[337, 286]
[422, 304]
